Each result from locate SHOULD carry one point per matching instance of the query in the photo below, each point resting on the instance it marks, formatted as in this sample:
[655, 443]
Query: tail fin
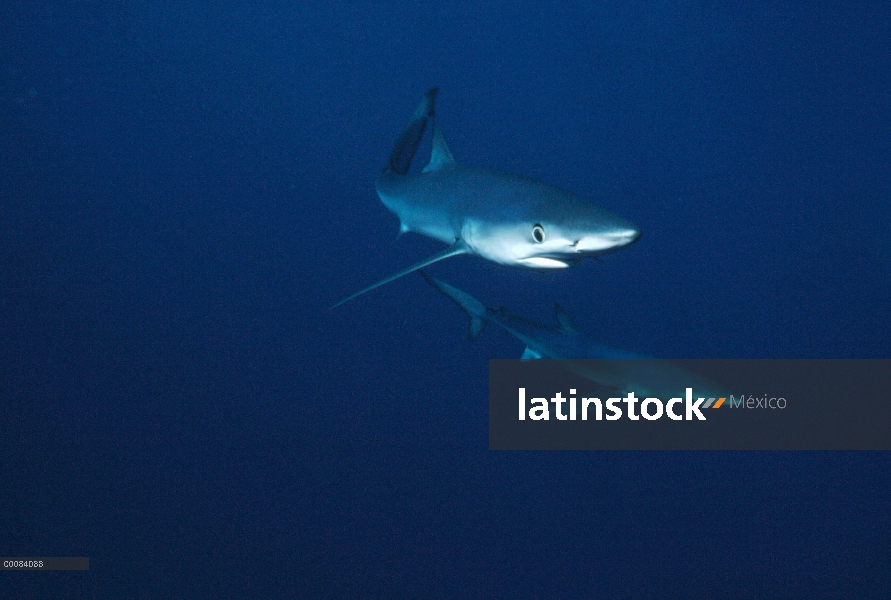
[475, 309]
[407, 144]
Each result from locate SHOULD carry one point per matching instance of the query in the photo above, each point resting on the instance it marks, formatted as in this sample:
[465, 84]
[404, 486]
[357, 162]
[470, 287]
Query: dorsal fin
[567, 324]
[530, 354]
[440, 157]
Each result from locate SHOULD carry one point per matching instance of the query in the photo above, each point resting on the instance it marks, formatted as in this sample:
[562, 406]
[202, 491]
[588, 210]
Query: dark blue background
[185, 188]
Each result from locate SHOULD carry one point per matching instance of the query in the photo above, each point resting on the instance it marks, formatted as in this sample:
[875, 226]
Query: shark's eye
[538, 233]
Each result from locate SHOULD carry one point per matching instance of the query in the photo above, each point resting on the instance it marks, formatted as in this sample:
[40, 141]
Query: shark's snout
[627, 237]
[602, 242]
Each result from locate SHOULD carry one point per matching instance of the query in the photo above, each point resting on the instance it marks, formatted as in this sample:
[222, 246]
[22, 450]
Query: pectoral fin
[453, 250]
[567, 324]
[475, 309]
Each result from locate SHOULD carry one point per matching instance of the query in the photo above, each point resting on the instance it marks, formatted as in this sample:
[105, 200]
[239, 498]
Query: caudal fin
[407, 144]
[475, 309]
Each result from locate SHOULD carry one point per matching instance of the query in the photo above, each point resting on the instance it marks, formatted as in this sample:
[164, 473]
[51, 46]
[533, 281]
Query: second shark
[617, 369]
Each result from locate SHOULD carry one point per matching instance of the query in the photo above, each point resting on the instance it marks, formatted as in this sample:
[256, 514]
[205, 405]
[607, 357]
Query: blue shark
[502, 217]
[622, 371]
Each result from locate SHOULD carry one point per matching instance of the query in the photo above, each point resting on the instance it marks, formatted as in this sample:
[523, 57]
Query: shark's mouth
[579, 251]
[545, 262]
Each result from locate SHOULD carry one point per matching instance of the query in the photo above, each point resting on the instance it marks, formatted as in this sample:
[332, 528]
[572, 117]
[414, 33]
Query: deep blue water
[186, 188]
